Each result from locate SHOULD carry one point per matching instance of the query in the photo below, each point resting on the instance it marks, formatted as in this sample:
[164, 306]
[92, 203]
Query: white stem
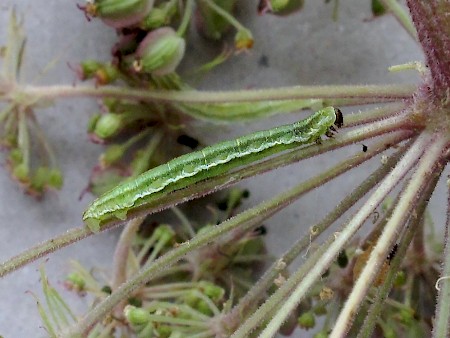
[402, 168]
[402, 212]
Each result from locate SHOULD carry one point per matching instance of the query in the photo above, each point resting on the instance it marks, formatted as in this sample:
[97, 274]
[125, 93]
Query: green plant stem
[394, 265]
[186, 18]
[247, 302]
[244, 220]
[224, 14]
[401, 15]
[441, 322]
[373, 115]
[434, 146]
[381, 92]
[212, 185]
[42, 249]
[396, 175]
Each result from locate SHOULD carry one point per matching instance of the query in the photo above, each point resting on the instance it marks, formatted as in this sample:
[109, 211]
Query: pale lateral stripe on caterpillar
[206, 163]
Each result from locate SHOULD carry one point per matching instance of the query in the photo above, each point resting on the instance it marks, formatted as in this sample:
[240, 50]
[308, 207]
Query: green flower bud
[407, 316]
[86, 69]
[211, 290]
[75, 281]
[106, 74]
[164, 233]
[21, 172]
[92, 122]
[160, 52]
[389, 332]
[307, 320]
[39, 179]
[378, 8]
[136, 316]
[243, 40]
[321, 334]
[164, 331]
[108, 125]
[15, 156]
[400, 279]
[119, 13]
[55, 178]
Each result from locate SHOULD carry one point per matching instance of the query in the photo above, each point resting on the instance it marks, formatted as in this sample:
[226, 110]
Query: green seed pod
[120, 13]
[307, 320]
[108, 125]
[160, 52]
[136, 316]
[155, 19]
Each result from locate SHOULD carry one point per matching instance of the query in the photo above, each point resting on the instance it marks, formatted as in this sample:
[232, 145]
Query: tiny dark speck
[364, 148]
[263, 61]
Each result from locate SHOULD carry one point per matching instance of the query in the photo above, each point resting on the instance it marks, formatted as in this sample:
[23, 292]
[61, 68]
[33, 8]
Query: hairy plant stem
[408, 201]
[394, 265]
[252, 297]
[442, 318]
[121, 257]
[381, 92]
[433, 30]
[223, 181]
[373, 115]
[244, 220]
[403, 167]
[401, 15]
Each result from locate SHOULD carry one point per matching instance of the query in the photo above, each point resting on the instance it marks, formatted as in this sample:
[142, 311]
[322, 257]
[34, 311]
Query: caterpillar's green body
[206, 163]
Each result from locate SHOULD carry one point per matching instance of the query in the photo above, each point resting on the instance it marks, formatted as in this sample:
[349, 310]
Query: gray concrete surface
[306, 48]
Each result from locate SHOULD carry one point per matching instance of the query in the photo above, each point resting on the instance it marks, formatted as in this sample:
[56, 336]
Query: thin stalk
[442, 318]
[373, 115]
[244, 220]
[403, 167]
[394, 265]
[212, 185]
[382, 92]
[401, 15]
[226, 15]
[121, 252]
[408, 200]
[247, 302]
[186, 18]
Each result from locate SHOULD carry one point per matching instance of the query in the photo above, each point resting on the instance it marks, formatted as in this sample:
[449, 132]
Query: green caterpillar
[206, 163]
